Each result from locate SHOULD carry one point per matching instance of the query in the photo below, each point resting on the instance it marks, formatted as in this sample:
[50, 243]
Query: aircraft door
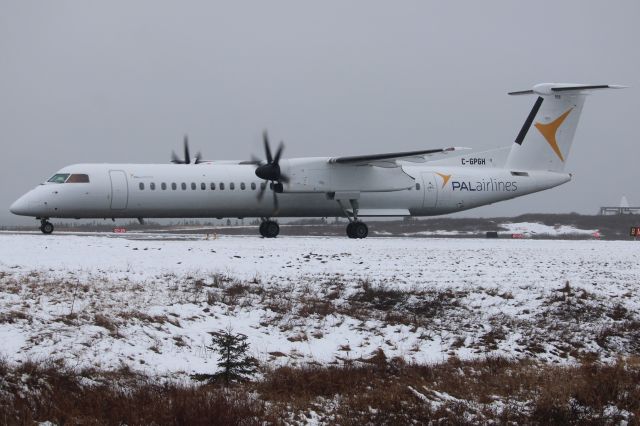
[119, 189]
[430, 190]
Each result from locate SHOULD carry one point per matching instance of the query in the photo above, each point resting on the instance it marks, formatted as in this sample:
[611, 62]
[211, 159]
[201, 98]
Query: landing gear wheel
[350, 233]
[269, 229]
[46, 227]
[360, 230]
[357, 230]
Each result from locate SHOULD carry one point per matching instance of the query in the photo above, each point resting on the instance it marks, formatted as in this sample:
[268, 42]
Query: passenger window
[203, 186]
[174, 186]
[184, 186]
[213, 186]
[78, 179]
[193, 186]
[263, 185]
[221, 186]
[417, 186]
[242, 186]
[232, 186]
[253, 185]
[59, 178]
[141, 186]
[163, 186]
[152, 186]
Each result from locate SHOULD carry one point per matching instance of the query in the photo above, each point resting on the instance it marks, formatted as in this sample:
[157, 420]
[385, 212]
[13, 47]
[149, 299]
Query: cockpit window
[59, 178]
[78, 178]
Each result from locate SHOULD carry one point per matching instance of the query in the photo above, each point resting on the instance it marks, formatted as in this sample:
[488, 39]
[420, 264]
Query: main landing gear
[45, 226]
[269, 229]
[357, 229]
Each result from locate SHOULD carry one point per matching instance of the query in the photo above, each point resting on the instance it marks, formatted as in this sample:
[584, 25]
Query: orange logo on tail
[549, 131]
[445, 178]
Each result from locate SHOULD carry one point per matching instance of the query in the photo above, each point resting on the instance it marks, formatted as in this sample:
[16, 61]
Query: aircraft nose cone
[19, 207]
[25, 205]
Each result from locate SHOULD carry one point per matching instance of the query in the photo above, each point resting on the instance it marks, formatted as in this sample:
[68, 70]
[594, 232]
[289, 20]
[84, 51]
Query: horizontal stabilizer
[555, 88]
[522, 92]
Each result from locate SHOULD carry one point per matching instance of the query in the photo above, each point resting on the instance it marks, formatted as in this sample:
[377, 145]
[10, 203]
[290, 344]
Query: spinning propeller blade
[187, 157]
[270, 171]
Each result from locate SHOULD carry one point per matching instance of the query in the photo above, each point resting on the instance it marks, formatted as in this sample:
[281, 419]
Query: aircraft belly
[290, 205]
[396, 203]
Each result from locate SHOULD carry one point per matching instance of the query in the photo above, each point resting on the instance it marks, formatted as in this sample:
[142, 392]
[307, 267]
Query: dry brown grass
[365, 391]
[13, 316]
[381, 392]
[62, 396]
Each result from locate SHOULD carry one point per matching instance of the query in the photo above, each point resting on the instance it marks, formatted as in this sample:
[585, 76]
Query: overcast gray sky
[122, 81]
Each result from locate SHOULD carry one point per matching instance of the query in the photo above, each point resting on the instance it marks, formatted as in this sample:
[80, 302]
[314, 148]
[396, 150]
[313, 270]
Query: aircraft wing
[391, 159]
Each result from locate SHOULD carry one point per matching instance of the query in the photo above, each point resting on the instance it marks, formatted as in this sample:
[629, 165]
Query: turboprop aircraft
[415, 183]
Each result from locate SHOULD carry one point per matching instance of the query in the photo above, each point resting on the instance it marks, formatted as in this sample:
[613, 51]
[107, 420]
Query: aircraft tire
[262, 229]
[350, 233]
[46, 227]
[360, 230]
[271, 229]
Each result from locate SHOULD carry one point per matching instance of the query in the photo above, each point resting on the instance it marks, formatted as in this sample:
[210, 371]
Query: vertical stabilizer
[544, 142]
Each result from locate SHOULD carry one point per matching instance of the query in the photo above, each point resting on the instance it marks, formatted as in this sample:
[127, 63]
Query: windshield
[59, 178]
[78, 178]
[69, 178]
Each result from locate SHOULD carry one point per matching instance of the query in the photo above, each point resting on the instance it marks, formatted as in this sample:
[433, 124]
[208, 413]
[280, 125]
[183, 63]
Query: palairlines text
[486, 185]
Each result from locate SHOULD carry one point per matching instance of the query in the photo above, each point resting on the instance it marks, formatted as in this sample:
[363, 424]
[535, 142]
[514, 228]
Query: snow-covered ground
[149, 301]
[534, 228]
[527, 229]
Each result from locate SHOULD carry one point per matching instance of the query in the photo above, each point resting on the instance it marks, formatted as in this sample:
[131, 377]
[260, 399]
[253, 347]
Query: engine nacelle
[318, 175]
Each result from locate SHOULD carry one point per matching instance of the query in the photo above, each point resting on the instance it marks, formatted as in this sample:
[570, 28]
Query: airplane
[415, 183]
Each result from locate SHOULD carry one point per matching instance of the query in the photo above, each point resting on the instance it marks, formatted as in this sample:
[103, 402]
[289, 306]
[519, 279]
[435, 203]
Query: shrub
[234, 361]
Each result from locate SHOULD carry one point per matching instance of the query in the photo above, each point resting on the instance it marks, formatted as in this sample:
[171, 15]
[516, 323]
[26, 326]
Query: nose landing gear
[46, 227]
[269, 229]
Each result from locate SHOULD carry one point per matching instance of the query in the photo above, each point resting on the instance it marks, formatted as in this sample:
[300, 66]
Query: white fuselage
[114, 191]
[410, 183]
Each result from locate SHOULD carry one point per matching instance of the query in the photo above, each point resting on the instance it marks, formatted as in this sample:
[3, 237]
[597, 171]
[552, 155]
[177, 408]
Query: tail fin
[555, 116]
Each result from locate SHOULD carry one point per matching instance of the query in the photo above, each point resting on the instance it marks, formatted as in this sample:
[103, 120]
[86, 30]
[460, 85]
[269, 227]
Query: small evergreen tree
[234, 362]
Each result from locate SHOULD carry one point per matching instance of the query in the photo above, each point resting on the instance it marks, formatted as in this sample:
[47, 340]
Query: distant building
[623, 208]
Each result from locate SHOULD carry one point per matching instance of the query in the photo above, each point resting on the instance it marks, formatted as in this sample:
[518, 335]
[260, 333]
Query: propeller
[187, 158]
[270, 171]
